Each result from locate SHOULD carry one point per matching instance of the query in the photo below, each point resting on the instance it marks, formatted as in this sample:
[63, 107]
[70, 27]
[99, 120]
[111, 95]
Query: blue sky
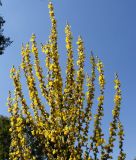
[107, 27]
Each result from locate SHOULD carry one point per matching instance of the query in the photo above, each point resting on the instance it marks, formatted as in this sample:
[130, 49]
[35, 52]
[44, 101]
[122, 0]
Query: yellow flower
[50, 83]
[117, 98]
[33, 132]
[54, 151]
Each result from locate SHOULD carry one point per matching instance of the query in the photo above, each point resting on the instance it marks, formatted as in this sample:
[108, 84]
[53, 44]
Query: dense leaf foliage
[4, 138]
[4, 41]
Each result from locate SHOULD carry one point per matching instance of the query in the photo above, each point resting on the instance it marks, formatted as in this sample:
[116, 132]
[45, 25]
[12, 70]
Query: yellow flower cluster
[114, 125]
[88, 110]
[64, 130]
[68, 97]
[18, 148]
[97, 138]
[122, 155]
[101, 76]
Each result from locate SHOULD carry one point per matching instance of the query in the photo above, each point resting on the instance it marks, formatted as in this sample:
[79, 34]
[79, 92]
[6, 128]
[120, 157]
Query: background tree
[4, 137]
[62, 123]
[4, 41]
[34, 143]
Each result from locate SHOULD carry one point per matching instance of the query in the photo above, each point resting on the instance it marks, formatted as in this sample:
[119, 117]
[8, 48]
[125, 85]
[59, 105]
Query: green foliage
[4, 138]
[4, 41]
[34, 143]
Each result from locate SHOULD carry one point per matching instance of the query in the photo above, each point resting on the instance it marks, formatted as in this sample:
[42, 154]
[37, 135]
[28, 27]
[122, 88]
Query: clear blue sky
[107, 27]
